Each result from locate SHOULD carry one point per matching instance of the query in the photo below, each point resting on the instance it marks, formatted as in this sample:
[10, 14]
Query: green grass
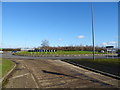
[59, 52]
[107, 65]
[5, 66]
[104, 61]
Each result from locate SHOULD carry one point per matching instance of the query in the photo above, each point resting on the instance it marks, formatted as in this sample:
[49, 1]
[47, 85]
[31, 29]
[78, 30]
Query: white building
[26, 49]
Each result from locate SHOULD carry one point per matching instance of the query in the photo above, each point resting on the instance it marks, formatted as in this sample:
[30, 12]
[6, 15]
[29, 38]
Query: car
[118, 54]
[13, 52]
[1, 52]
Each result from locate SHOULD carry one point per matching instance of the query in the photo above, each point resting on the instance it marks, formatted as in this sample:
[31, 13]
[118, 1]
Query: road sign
[109, 46]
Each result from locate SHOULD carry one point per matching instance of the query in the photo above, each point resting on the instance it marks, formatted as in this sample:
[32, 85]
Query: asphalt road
[48, 73]
[9, 55]
[55, 74]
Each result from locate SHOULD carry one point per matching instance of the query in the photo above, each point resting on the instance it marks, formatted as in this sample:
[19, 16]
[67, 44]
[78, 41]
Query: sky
[26, 24]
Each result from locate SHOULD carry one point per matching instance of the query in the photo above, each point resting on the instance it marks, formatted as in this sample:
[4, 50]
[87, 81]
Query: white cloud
[104, 43]
[112, 42]
[81, 36]
[109, 43]
[60, 39]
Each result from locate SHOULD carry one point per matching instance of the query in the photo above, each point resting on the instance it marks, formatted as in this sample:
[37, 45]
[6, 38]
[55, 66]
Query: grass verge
[111, 66]
[5, 65]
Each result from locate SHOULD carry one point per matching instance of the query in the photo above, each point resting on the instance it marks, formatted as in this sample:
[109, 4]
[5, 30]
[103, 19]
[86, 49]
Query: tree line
[45, 45]
[11, 49]
[72, 48]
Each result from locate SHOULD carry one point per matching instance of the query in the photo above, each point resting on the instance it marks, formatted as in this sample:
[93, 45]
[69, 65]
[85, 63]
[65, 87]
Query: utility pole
[93, 40]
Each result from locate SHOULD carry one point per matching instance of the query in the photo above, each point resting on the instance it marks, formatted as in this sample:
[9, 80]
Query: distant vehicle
[13, 52]
[118, 54]
[1, 52]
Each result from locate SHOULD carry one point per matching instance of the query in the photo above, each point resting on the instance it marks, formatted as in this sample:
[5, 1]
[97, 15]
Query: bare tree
[45, 43]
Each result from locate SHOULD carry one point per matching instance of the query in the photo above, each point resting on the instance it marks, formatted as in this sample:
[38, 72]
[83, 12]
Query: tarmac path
[55, 74]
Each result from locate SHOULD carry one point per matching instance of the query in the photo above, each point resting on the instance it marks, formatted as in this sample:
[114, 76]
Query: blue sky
[26, 24]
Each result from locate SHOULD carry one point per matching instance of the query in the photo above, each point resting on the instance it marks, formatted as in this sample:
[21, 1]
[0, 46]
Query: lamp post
[93, 40]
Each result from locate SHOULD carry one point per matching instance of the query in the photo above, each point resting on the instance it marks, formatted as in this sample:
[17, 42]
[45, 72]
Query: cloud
[104, 43]
[108, 43]
[112, 42]
[81, 36]
[60, 39]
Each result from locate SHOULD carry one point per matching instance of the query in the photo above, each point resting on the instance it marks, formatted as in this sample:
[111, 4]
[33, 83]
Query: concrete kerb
[5, 77]
[67, 55]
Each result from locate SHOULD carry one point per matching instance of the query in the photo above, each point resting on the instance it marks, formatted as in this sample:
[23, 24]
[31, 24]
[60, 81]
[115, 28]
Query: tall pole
[93, 40]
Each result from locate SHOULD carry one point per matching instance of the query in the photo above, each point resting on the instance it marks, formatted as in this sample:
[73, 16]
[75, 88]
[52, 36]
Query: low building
[27, 49]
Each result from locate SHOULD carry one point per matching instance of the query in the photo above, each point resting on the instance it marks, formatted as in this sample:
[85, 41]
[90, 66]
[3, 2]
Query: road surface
[55, 74]
[9, 55]
[51, 72]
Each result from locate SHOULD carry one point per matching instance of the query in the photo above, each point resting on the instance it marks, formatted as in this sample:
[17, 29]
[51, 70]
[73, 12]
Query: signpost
[109, 48]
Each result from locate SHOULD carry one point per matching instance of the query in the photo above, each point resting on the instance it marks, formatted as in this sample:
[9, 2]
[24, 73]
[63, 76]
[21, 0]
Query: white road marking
[37, 86]
[35, 81]
[20, 60]
[20, 76]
